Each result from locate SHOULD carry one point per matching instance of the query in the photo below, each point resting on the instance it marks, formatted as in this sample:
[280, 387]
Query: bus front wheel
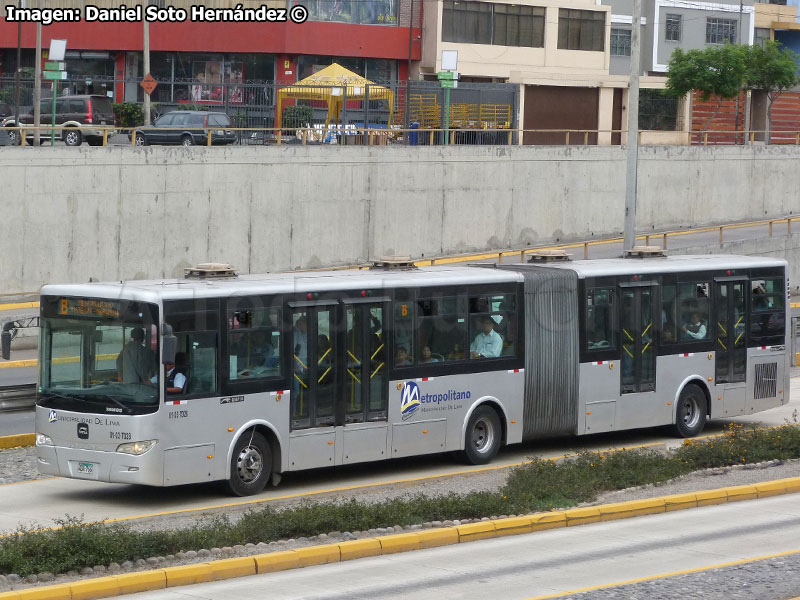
[483, 436]
[251, 464]
[690, 413]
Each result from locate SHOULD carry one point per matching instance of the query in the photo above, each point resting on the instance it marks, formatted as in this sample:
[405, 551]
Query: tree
[716, 71]
[772, 69]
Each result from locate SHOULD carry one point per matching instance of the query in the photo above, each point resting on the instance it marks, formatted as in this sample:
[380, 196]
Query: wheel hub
[249, 464]
[482, 435]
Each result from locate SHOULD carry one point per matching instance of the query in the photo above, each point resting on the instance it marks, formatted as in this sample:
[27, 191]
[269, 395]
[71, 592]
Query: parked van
[83, 117]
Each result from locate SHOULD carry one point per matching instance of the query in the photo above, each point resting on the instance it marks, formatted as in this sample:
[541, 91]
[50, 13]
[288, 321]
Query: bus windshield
[99, 356]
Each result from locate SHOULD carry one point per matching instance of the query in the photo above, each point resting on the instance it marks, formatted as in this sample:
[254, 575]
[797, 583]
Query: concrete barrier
[71, 214]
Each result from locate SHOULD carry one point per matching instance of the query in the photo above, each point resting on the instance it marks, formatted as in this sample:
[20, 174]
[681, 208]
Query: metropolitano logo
[409, 400]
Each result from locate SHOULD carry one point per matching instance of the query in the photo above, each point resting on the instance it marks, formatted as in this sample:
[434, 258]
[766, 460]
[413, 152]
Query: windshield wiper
[48, 394]
[107, 397]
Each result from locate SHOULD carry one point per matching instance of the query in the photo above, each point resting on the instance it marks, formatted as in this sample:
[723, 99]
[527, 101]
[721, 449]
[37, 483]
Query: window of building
[719, 31]
[581, 29]
[467, 22]
[498, 24]
[516, 25]
[673, 28]
[761, 36]
[359, 12]
[620, 42]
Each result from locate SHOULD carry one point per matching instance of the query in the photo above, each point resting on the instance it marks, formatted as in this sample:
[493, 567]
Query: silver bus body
[549, 380]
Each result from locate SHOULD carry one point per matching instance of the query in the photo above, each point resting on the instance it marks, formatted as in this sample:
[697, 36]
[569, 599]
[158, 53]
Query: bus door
[730, 342]
[637, 337]
[365, 378]
[313, 365]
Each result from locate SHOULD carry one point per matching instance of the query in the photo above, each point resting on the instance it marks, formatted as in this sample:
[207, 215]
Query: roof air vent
[644, 252]
[539, 256]
[393, 262]
[210, 270]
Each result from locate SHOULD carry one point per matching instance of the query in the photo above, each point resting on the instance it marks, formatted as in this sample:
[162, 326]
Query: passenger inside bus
[487, 343]
[401, 360]
[427, 356]
[135, 362]
[695, 329]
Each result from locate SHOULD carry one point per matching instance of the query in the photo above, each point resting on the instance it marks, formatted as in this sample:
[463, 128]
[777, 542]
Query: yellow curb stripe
[19, 440]
[17, 305]
[402, 542]
[732, 563]
[15, 364]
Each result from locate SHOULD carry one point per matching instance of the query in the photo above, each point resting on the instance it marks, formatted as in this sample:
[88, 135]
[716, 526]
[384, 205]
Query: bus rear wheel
[483, 436]
[690, 413]
[251, 464]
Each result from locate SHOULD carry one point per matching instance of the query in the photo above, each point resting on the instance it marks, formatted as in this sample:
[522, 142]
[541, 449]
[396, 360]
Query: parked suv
[79, 115]
[187, 127]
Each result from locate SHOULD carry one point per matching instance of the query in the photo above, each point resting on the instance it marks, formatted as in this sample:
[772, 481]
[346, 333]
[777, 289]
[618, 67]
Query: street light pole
[37, 87]
[633, 130]
[146, 52]
[19, 66]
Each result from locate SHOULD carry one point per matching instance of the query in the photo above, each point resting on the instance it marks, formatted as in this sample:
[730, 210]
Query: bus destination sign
[83, 307]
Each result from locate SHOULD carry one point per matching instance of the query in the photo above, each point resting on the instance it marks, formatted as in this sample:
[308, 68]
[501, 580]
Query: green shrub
[128, 114]
[297, 116]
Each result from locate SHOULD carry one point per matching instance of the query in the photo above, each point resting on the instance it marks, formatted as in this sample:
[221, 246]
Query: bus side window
[767, 316]
[601, 331]
[695, 308]
[403, 329]
[441, 330]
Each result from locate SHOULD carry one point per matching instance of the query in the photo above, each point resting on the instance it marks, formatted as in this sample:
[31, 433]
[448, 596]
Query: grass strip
[538, 486]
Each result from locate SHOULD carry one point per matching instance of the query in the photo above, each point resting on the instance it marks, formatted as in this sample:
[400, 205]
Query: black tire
[483, 436]
[72, 137]
[690, 412]
[251, 464]
[141, 140]
[187, 140]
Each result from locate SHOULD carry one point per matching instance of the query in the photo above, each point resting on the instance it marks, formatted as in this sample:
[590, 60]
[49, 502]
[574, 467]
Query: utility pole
[146, 53]
[408, 73]
[19, 67]
[37, 87]
[633, 129]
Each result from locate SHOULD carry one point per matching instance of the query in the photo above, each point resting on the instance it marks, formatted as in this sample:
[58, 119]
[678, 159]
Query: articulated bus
[242, 378]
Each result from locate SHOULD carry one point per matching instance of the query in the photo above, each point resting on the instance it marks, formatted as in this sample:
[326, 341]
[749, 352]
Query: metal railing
[351, 134]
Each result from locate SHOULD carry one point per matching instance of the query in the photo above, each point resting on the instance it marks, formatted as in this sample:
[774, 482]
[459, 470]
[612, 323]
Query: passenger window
[179, 120]
[61, 106]
[442, 329]
[601, 330]
[767, 309]
[669, 313]
[491, 323]
[77, 106]
[254, 337]
[196, 360]
[195, 120]
[163, 121]
[403, 330]
[694, 309]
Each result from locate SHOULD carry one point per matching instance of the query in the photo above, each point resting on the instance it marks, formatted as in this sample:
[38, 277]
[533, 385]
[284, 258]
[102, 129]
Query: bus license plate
[86, 469]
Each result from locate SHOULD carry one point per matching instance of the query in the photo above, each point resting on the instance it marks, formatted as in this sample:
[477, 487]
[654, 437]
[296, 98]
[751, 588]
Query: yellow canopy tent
[334, 85]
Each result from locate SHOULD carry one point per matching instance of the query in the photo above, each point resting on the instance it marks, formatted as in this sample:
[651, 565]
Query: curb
[115, 585]
[20, 440]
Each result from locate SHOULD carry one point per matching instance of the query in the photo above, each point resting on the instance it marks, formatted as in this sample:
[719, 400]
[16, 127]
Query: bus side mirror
[5, 345]
[169, 345]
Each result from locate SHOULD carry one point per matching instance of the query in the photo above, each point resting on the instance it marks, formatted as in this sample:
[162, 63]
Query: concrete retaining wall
[120, 213]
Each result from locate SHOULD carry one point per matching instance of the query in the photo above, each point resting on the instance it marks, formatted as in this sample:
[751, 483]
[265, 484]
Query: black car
[188, 128]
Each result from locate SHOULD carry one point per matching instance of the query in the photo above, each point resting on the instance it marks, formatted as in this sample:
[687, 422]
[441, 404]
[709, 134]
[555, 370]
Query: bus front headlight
[136, 448]
[43, 440]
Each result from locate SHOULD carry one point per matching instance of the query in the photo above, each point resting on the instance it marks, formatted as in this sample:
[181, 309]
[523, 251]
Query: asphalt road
[660, 548]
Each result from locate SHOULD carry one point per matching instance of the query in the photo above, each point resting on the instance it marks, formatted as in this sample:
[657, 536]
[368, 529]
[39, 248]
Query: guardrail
[456, 136]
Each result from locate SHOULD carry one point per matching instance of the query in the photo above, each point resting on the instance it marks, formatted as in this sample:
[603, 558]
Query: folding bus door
[730, 342]
[362, 407]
